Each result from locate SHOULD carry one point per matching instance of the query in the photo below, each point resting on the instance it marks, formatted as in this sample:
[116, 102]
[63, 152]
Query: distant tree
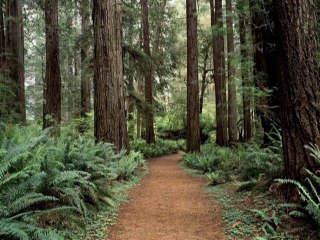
[15, 59]
[110, 120]
[52, 92]
[245, 69]
[193, 125]
[298, 67]
[149, 118]
[85, 80]
[220, 76]
[3, 83]
[232, 85]
[265, 68]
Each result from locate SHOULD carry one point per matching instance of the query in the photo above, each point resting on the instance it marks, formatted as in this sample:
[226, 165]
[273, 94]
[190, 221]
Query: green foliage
[214, 178]
[48, 184]
[128, 165]
[246, 161]
[160, 148]
[203, 162]
[309, 190]
[269, 223]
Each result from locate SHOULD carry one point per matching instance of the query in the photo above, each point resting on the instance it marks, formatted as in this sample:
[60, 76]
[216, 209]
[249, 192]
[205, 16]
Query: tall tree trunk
[220, 79]
[204, 80]
[193, 122]
[70, 84]
[85, 80]
[2, 40]
[2, 64]
[15, 45]
[110, 119]
[297, 60]
[150, 137]
[232, 85]
[52, 109]
[131, 91]
[245, 71]
[131, 77]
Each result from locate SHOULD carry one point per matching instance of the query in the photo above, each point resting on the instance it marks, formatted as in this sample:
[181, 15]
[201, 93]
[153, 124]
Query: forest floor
[169, 204]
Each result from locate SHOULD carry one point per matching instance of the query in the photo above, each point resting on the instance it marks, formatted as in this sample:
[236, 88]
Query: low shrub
[245, 162]
[49, 184]
[159, 148]
[310, 189]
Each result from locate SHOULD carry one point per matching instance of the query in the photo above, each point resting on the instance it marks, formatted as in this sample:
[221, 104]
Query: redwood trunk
[85, 79]
[3, 92]
[193, 125]
[245, 72]
[204, 82]
[232, 85]
[110, 120]
[52, 109]
[150, 137]
[15, 46]
[297, 61]
[220, 79]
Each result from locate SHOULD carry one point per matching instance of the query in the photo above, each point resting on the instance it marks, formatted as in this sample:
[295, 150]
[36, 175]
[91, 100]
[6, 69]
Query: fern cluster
[160, 148]
[247, 161]
[309, 190]
[47, 184]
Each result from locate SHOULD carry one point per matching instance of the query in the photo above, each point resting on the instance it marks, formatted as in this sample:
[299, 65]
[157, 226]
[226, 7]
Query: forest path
[169, 204]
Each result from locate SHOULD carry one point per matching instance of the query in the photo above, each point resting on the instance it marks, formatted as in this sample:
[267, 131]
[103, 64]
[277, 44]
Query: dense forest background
[88, 89]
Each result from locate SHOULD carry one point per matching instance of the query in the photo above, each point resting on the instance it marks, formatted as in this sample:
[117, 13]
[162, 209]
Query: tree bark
[232, 85]
[204, 82]
[110, 119]
[245, 72]
[220, 79]
[193, 122]
[85, 80]
[297, 51]
[15, 46]
[150, 137]
[2, 40]
[52, 105]
[2, 64]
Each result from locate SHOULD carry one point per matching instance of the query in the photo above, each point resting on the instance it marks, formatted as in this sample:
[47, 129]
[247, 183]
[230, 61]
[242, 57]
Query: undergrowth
[157, 149]
[49, 185]
[242, 179]
[309, 191]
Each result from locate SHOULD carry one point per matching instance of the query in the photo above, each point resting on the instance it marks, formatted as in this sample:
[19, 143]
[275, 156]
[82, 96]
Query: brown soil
[169, 204]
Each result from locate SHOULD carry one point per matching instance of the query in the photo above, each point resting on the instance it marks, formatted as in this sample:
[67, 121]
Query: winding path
[169, 204]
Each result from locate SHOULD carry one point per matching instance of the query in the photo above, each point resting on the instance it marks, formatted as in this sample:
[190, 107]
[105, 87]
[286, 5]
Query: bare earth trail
[169, 204]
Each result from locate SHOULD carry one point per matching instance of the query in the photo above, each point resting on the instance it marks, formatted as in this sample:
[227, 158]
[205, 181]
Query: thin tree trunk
[232, 85]
[2, 64]
[70, 80]
[220, 79]
[2, 40]
[52, 109]
[204, 80]
[297, 50]
[150, 137]
[245, 71]
[138, 123]
[85, 80]
[110, 119]
[193, 122]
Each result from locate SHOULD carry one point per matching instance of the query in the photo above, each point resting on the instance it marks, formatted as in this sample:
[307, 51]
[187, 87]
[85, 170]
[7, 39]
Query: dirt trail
[169, 204]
